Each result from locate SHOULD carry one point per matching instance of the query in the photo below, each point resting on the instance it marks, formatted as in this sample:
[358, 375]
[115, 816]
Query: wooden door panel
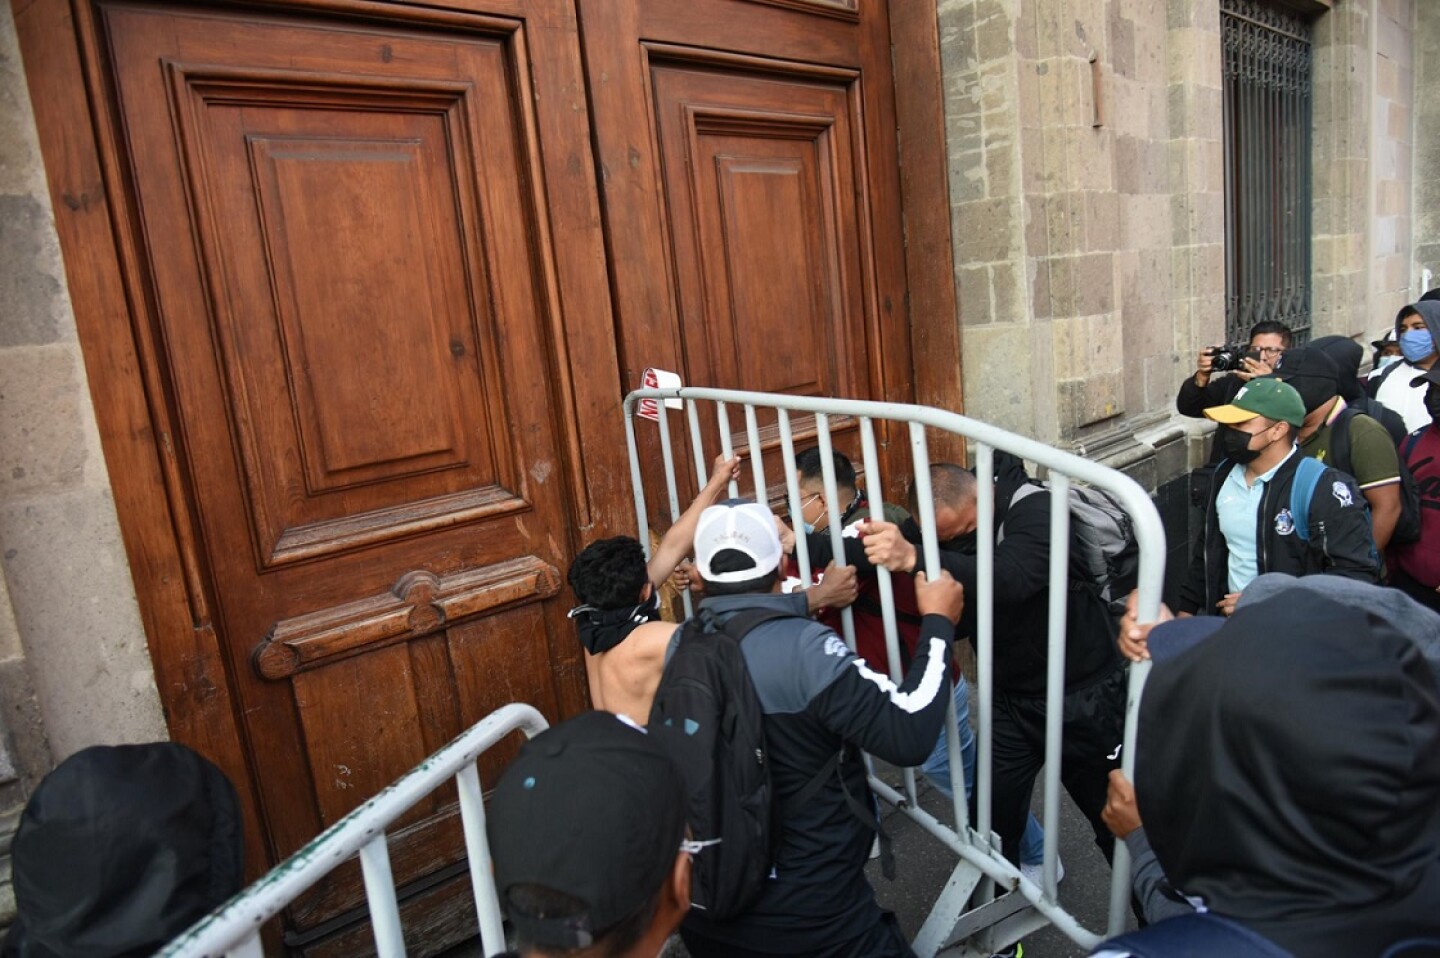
[311, 196]
[758, 178]
[342, 231]
[755, 231]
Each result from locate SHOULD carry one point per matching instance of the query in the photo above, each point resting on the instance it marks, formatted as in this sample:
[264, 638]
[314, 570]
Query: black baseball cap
[591, 809]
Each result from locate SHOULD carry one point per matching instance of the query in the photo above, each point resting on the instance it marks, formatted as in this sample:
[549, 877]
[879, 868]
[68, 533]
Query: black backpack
[1105, 553]
[1407, 527]
[707, 716]
[1393, 422]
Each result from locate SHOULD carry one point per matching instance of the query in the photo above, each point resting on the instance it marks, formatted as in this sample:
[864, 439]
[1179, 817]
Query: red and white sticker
[658, 379]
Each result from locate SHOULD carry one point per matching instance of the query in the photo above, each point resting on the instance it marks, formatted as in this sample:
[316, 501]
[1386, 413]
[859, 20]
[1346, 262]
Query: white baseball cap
[744, 526]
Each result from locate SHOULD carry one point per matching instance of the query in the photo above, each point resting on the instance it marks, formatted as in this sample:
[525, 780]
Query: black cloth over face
[603, 629]
[120, 849]
[1288, 773]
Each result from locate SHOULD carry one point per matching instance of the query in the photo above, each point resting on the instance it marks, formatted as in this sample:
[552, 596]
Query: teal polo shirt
[1236, 509]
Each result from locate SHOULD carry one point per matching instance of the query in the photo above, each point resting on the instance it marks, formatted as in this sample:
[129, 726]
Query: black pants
[881, 940]
[1093, 728]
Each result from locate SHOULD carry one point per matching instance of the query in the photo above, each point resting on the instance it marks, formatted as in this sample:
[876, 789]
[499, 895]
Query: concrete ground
[923, 865]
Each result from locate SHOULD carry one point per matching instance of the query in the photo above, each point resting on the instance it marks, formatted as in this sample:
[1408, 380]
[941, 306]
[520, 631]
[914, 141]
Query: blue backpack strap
[1201, 935]
[1307, 477]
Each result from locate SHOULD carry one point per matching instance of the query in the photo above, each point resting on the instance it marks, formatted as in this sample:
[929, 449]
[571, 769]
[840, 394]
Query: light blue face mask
[1387, 361]
[809, 528]
[1416, 344]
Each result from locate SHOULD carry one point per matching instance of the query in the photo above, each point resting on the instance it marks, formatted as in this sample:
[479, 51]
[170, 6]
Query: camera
[1228, 358]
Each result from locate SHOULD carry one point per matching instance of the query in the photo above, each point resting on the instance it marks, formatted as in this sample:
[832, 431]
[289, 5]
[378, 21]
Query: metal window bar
[1266, 102]
[966, 906]
[234, 928]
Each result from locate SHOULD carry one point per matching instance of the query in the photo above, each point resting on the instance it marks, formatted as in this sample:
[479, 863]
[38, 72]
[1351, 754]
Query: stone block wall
[1087, 196]
[74, 666]
[1365, 154]
[1392, 113]
[1341, 151]
[1087, 207]
[1425, 221]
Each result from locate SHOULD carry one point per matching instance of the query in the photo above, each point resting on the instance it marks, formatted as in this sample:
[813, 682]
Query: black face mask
[603, 629]
[1237, 446]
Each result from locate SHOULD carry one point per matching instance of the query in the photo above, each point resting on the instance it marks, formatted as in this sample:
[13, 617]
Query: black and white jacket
[1341, 541]
[817, 696]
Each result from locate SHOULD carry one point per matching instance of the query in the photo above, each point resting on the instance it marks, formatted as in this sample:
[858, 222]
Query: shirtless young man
[619, 613]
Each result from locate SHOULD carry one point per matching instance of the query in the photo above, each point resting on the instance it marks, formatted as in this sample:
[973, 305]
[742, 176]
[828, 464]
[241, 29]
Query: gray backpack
[1104, 553]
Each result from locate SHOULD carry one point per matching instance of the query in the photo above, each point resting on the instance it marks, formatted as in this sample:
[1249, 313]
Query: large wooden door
[358, 324]
[346, 244]
[752, 197]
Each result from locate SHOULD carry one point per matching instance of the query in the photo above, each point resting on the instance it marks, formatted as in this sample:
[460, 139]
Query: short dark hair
[950, 485]
[1269, 327]
[612, 942]
[733, 560]
[610, 573]
[811, 466]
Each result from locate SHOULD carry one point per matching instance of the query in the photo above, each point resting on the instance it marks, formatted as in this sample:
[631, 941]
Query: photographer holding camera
[1205, 389]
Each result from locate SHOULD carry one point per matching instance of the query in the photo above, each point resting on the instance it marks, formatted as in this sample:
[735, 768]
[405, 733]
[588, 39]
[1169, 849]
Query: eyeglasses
[1270, 350]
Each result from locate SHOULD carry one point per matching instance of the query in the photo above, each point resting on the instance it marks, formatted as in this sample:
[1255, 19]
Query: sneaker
[1016, 950]
[1036, 872]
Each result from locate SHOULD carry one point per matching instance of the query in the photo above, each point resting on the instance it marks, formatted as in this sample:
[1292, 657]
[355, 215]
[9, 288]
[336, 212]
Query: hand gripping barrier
[234, 928]
[967, 907]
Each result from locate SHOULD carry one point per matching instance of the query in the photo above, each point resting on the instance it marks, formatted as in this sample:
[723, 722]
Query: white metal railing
[234, 928]
[995, 921]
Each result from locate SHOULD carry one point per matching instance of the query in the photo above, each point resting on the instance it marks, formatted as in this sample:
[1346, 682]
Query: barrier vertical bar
[1055, 676]
[637, 485]
[1120, 891]
[924, 500]
[1150, 536]
[249, 948]
[792, 488]
[477, 850]
[757, 461]
[870, 460]
[832, 510]
[697, 442]
[984, 629]
[667, 454]
[727, 448]
[380, 896]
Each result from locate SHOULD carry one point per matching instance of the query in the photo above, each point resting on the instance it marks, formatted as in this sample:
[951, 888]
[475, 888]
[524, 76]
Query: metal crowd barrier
[967, 905]
[234, 928]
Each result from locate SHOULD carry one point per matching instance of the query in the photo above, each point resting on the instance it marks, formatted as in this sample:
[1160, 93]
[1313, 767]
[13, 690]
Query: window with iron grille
[1267, 104]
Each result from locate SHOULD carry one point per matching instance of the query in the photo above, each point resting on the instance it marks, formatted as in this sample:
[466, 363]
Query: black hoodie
[1288, 774]
[120, 849]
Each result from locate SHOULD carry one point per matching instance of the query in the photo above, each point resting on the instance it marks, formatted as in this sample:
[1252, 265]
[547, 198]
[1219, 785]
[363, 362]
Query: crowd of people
[1287, 795]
